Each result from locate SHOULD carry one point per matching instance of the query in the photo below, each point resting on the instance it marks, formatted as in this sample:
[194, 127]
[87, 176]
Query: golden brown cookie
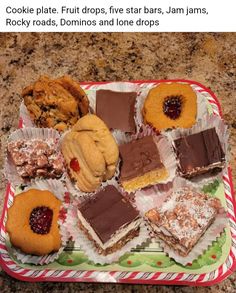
[90, 152]
[170, 105]
[55, 103]
[32, 222]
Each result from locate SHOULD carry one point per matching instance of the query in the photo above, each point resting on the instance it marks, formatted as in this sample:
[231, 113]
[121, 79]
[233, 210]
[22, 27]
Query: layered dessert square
[199, 153]
[117, 109]
[183, 219]
[36, 158]
[109, 220]
[141, 164]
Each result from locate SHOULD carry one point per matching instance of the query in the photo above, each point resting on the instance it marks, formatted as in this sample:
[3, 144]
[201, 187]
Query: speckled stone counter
[207, 58]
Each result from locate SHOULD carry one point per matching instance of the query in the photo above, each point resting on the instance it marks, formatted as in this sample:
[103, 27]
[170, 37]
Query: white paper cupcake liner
[118, 87]
[77, 193]
[207, 122]
[151, 197]
[88, 246]
[80, 239]
[202, 108]
[211, 235]
[58, 189]
[34, 133]
[154, 197]
[28, 133]
[165, 149]
[25, 116]
[204, 179]
[167, 157]
[121, 137]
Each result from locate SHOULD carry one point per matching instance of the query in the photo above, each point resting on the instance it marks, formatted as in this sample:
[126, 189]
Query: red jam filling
[172, 107]
[41, 220]
[74, 165]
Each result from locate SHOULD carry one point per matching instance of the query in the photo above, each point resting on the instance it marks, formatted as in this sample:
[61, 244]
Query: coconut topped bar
[183, 218]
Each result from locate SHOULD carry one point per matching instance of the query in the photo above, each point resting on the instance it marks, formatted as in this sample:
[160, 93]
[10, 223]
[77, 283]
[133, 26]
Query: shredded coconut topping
[185, 215]
[36, 158]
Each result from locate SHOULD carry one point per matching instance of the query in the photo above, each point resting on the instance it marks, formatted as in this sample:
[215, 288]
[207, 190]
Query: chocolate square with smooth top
[199, 152]
[139, 157]
[117, 109]
[107, 211]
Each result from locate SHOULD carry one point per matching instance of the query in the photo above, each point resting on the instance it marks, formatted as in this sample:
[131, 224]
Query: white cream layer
[119, 234]
[164, 232]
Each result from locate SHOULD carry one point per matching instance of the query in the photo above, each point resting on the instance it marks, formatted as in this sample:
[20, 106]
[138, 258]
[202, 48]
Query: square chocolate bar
[141, 164]
[183, 218]
[199, 153]
[117, 109]
[109, 220]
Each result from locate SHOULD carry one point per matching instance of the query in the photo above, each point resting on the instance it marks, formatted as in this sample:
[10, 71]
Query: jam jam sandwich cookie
[170, 105]
[32, 222]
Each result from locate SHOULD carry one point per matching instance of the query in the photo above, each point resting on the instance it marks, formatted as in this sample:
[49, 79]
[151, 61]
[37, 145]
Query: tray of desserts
[124, 182]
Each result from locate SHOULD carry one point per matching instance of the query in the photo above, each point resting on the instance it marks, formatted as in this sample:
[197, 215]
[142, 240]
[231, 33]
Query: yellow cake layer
[150, 178]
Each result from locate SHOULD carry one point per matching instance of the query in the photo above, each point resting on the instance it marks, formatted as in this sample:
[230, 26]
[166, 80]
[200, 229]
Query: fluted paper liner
[207, 122]
[151, 197]
[154, 197]
[77, 193]
[88, 246]
[28, 133]
[25, 116]
[202, 109]
[211, 234]
[58, 189]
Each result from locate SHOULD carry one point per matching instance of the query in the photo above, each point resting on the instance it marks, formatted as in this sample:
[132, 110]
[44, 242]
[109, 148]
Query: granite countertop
[209, 58]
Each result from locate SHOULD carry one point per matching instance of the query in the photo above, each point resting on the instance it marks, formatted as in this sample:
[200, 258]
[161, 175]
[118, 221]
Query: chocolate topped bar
[183, 218]
[198, 153]
[117, 109]
[106, 215]
[139, 157]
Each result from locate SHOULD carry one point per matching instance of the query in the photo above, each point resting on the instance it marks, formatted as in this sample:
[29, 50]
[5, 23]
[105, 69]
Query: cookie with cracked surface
[55, 103]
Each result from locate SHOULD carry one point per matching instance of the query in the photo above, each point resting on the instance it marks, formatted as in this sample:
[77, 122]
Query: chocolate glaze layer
[198, 151]
[116, 109]
[139, 157]
[107, 211]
